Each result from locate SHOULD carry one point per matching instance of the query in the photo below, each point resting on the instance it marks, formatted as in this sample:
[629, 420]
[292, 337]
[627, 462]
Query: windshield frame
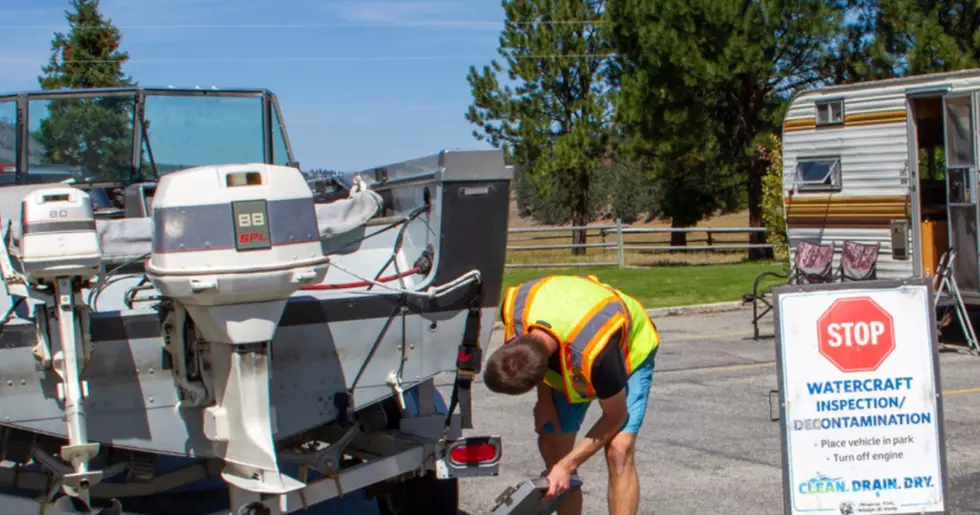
[270, 107]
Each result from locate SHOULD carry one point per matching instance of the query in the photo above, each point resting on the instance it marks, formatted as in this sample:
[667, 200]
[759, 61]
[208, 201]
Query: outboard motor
[230, 244]
[61, 254]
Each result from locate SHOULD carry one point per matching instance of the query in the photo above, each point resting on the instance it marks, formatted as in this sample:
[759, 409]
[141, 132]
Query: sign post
[860, 404]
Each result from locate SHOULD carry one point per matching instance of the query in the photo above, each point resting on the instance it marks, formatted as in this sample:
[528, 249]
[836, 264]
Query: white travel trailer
[892, 162]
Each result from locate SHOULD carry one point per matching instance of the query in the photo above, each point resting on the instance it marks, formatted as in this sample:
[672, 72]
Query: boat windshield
[91, 134]
[188, 131]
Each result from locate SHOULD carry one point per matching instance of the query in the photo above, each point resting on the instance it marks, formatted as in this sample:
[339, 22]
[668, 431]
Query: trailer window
[818, 174]
[830, 112]
[959, 186]
[959, 132]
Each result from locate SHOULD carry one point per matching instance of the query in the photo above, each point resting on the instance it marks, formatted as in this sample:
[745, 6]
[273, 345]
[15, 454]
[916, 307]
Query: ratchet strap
[468, 363]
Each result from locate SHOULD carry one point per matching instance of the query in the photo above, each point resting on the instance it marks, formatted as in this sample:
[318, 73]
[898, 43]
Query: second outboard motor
[61, 254]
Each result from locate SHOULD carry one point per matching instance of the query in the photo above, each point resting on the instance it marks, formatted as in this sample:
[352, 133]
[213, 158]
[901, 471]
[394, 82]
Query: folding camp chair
[812, 264]
[858, 261]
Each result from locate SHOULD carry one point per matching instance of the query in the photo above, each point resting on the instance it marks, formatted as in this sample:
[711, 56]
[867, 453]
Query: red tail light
[473, 453]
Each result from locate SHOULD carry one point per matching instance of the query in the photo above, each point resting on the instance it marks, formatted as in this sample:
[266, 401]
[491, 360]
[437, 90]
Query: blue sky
[361, 82]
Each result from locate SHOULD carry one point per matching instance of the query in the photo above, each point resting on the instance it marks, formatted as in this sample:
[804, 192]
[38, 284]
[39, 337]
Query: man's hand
[559, 479]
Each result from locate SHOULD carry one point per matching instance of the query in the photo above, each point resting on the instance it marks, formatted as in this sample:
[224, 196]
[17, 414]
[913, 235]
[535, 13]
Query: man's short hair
[517, 367]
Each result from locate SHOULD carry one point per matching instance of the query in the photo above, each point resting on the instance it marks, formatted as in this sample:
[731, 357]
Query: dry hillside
[740, 219]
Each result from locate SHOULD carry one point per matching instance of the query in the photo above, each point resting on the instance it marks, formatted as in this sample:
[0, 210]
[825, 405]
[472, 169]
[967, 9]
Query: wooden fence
[614, 238]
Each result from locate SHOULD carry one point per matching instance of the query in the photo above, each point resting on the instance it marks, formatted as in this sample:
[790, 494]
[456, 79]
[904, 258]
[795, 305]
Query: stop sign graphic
[856, 334]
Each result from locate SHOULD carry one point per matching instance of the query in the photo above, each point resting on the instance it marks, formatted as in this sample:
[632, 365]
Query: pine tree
[926, 36]
[93, 133]
[88, 56]
[555, 121]
[703, 82]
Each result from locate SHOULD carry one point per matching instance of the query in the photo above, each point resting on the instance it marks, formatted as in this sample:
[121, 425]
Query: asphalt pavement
[708, 444]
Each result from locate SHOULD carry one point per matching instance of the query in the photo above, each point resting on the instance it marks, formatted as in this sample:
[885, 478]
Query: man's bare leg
[554, 447]
[624, 482]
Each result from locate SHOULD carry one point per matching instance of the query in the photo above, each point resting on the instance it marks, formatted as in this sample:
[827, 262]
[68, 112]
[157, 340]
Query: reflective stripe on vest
[643, 338]
[587, 339]
[624, 345]
[517, 302]
[582, 330]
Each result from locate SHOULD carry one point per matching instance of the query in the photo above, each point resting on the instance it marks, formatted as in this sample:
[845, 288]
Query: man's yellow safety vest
[583, 315]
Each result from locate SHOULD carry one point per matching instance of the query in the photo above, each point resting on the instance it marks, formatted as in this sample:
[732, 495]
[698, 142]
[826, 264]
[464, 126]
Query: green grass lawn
[667, 285]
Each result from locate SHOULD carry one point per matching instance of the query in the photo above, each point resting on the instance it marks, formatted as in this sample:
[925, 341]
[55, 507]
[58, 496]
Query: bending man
[577, 340]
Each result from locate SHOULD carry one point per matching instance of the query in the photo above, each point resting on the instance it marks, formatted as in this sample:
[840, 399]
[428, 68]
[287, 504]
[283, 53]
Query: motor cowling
[58, 234]
[234, 235]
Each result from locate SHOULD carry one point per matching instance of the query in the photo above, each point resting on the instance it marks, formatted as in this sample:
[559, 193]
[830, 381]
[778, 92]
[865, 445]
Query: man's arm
[613, 417]
[609, 378]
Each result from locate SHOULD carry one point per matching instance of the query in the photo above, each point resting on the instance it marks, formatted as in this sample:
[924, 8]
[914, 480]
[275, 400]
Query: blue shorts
[570, 416]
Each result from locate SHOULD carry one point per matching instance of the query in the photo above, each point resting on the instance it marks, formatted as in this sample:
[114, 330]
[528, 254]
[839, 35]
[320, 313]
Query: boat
[190, 328]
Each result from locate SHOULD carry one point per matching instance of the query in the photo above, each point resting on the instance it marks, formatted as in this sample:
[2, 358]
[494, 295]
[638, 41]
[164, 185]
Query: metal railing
[619, 232]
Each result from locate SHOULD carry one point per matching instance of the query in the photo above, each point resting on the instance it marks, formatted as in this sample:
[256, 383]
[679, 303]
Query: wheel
[424, 495]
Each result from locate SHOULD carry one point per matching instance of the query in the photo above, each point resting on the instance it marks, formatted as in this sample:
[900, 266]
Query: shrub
[773, 212]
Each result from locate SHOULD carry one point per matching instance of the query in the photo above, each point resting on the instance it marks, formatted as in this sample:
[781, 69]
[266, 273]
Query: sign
[861, 413]
[856, 334]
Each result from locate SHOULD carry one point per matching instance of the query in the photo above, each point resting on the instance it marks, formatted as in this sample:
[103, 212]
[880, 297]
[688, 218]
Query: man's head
[518, 366]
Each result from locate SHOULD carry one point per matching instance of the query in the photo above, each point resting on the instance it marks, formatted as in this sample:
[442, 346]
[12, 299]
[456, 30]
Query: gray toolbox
[527, 498]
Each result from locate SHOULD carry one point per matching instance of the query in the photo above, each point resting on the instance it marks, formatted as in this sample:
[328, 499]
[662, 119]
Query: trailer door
[959, 114]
